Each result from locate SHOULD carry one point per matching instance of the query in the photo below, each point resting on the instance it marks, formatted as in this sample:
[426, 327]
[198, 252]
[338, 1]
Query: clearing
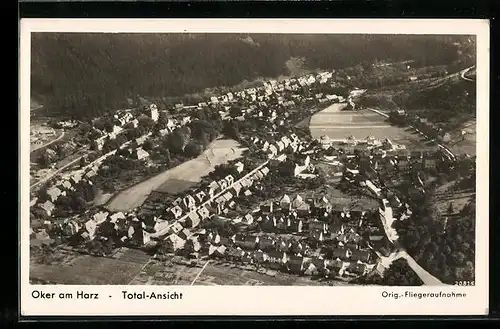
[219, 152]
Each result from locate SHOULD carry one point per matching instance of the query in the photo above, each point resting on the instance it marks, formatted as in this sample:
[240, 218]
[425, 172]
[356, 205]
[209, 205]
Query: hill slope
[85, 74]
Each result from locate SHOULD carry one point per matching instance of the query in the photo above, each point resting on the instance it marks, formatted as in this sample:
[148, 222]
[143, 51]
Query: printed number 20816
[464, 283]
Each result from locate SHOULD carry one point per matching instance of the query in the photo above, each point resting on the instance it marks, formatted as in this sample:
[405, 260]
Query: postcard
[254, 167]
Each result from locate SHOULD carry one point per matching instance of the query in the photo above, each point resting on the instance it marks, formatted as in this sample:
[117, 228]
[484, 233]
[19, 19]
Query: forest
[87, 75]
[444, 245]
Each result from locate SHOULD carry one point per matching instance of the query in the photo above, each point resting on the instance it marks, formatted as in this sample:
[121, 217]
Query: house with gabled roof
[220, 251]
[286, 141]
[204, 213]
[116, 217]
[322, 205]
[232, 204]
[67, 184]
[213, 187]
[297, 201]
[193, 220]
[272, 150]
[265, 146]
[223, 184]
[176, 227]
[176, 211]
[189, 202]
[91, 227]
[285, 202]
[220, 200]
[246, 182]
[229, 179]
[264, 170]
[280, 146]
[236, 188]
[248, 219]
[201, 196]
[177, 202]
[228, 196]
[258, 175]
[100, 217]
[139, 153]
[284, 245]
[76, 177]
[174, 243]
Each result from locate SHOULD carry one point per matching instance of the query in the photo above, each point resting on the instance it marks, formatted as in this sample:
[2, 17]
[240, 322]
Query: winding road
[464, 72]
[427, 278]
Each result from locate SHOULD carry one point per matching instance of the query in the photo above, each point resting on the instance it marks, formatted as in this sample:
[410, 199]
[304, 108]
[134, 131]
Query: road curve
[427, 278]
[464, 72]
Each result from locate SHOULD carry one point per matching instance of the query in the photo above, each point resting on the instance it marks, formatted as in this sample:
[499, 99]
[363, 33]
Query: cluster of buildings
[273, 97]
[180, 221]
[64, 185]
[300, 236]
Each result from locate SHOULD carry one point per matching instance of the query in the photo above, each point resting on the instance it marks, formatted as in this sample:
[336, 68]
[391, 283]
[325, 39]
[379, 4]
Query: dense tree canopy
[86, 75]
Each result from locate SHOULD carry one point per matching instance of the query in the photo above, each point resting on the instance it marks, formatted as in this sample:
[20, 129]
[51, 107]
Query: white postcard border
[275, 300]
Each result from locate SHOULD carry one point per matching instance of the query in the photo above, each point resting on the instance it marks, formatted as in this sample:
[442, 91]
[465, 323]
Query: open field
[86, 269]
[173, 186]
[218, 273]
[360, 124]
[459, 146]
[219, 152]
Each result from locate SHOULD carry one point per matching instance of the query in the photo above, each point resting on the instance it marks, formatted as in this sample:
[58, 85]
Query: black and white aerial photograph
[252, 159]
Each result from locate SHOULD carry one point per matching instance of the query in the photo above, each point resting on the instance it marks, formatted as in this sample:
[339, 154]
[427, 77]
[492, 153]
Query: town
[254, 181]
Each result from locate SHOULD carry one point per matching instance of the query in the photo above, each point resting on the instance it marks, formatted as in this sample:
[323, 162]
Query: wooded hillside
[86, 74]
